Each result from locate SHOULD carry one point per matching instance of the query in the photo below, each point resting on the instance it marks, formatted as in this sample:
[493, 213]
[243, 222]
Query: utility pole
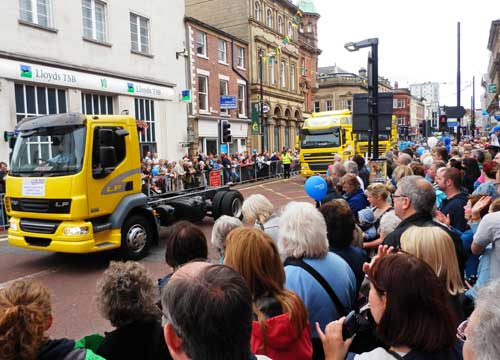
[473, 108]
[261, 107]
[458, 80]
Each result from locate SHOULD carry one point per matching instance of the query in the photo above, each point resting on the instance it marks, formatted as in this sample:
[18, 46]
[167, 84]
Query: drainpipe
[249, 115]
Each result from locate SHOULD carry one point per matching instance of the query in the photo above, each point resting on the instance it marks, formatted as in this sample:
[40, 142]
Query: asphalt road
[72, 278]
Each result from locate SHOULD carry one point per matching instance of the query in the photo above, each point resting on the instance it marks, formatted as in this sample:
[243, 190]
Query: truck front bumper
[61, 241]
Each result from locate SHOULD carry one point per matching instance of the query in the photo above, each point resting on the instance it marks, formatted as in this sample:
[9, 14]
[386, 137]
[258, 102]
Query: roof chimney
[396, 85]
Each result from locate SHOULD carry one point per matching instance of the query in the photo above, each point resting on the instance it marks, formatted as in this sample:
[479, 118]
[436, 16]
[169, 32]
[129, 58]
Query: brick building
[271, 28]
[401, 109]
[218, 63]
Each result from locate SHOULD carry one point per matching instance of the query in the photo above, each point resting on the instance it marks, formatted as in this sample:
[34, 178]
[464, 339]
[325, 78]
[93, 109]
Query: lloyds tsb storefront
[29, 89]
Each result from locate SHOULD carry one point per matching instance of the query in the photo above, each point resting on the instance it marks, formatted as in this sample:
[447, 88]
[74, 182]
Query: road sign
[228, 102]
[452, 123]
[266, 108]
[492, 88]
[214, 178]
[454, 112]
[186, 95]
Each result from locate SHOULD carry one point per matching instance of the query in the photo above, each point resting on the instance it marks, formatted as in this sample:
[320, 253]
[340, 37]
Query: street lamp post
[372, 88]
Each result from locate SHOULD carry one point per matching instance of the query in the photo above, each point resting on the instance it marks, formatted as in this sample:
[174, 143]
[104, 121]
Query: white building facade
[96, 57]
[430, 92]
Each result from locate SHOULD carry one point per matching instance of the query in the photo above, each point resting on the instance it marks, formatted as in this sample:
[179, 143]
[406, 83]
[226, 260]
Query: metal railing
[4, 221]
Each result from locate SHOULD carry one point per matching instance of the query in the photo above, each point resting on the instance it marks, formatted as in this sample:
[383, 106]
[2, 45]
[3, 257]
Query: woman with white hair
[258, 210]
[222, 227]
[303, 242]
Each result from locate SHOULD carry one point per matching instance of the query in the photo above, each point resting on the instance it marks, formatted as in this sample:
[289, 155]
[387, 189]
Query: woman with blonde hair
[400, 172]
[377, 195]
[25, 318]
[259, 211]
[434, 246]
[280, 328]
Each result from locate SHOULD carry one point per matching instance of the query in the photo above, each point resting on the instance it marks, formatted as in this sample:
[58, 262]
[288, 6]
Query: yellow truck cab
[75, 186]
[323, 136]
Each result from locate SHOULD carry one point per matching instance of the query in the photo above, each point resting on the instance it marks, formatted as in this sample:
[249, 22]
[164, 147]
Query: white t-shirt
[494, 140]
[377, 354]
[488, 232]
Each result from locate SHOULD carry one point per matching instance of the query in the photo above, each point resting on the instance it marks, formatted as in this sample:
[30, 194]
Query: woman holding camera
[411, 310]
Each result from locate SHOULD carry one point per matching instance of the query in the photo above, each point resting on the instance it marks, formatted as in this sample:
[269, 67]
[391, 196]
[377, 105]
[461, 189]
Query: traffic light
[443, 122]
[225, 132]
[422, 129]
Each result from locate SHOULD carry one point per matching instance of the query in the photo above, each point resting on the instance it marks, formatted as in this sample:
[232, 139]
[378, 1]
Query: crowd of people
[418, 250]
[160, 175]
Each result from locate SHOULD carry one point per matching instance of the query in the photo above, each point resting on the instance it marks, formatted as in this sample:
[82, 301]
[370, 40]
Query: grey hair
[339, 169]
[420, 192]
[404, 159]
[389, 155]
[302, 231]
[222, 227]
[484, 338]
[257, 208]
[388, 223]
[126, 293]
[351, 167]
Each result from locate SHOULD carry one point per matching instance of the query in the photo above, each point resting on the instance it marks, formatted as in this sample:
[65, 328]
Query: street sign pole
[261, 107]
[458, 81]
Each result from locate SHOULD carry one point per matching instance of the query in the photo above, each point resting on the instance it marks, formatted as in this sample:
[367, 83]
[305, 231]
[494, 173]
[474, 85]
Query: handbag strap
[302, 264]
[395, 355]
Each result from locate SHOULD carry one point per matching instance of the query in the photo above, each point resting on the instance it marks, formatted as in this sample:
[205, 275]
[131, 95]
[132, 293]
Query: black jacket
[62, 349]
[455, 208]
[421, 219]
[139, 340]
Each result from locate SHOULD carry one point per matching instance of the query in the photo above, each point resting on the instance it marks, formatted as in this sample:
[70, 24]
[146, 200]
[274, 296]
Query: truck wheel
[217, 204]
[136, 237]
[232, 203]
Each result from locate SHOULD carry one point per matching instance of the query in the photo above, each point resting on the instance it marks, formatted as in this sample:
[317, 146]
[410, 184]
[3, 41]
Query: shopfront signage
[492, 88]
[47, 75]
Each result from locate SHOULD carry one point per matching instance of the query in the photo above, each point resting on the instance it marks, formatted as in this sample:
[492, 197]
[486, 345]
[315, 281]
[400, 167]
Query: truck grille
[364, 149]
[39, 226]
[46, 206]
[317, 166]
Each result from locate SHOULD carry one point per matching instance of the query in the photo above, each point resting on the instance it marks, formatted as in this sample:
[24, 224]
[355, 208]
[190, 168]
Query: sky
[417, 40]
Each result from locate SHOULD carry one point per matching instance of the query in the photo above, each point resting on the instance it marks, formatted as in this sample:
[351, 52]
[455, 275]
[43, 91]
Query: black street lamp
[261, 107]
[372, 88]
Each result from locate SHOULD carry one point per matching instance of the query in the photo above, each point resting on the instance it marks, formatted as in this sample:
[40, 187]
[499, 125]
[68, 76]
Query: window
[399, 103]
[36, 12]
[272, 72]
[401, 120]
[35, 101]
[346, 104]
[118, 142]
[145, 111]
[94, 104]
[287, 137]
[329, 106]
[303, 67]
[269, 18]
[203, 92]
[276, 138]
[280, 24]
[139, 31]
[224, 90]
[309, 28]
[242, 90]
[201, 43]
[283, 74]
[257, 11]
[290, 30]
[292, 77]
[241, 57]
[222, 51]
[316, 106]
[94, 20]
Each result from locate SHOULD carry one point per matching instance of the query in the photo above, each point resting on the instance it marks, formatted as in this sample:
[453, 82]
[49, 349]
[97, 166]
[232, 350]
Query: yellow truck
[323, 136]
[75, 186]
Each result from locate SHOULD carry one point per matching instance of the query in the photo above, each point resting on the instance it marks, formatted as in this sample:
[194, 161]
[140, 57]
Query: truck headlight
[76, 230]
[13, 224]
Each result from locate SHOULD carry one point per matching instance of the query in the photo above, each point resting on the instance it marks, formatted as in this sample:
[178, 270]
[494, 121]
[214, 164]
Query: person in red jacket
[280, 329]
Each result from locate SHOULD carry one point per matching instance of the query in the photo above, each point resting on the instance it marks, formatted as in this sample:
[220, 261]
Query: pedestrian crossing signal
[225, 131]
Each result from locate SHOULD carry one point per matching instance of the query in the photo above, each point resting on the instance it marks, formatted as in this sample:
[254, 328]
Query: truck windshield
[53, 151]
[320, 138]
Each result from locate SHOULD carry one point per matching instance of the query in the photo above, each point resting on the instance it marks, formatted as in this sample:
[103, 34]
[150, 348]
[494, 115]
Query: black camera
[356, 322]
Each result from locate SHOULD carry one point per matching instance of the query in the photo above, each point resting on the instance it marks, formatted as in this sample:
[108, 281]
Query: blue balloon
[316, 187]
[155, 171]
[447, 140]
[420, 150]
[448, 148]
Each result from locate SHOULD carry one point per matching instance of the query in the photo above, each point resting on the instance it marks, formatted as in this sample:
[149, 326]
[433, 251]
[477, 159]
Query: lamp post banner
[255, 119]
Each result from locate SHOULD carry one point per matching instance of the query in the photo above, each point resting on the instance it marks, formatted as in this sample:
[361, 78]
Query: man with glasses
[414, 202]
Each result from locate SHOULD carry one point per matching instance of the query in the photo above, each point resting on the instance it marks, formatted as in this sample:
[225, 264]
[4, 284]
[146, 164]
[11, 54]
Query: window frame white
[94, 30]
[303, 67]
[224, 85]
[272, 73]
[257, 10]
[290, 30]
[204, 94]
[140, 34]
[204, 43]
[269, 18]
[283, 74]
[35, 16]
[240, 57]
[329, 105]
[242, 94]
[222, 53]
[293, 74]
[280, 24]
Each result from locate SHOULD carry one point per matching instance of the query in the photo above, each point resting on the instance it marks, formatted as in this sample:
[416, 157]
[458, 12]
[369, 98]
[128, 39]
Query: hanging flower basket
[141, 126]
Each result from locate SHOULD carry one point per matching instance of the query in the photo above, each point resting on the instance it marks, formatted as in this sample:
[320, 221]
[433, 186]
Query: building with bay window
[96, 57]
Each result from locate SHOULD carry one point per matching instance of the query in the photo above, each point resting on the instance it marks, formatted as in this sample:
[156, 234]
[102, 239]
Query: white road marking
[30, 276]
[3, 238]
